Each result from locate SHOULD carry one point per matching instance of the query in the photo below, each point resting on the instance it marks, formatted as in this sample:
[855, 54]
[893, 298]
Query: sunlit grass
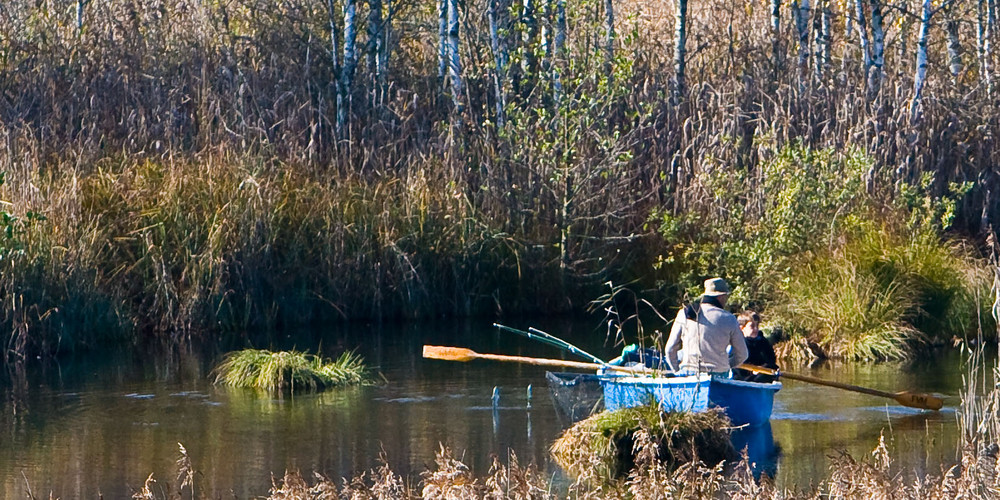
[599, 449]
[289, 370]
[882, 294]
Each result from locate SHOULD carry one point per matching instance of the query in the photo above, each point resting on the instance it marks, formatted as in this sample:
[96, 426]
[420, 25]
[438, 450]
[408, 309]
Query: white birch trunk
[528, 36]
[849, 16]
[861, 18]
[776, 36]
[80, 4]
[374, 50]
[801, 10]
[680, 49]
[991, 18]
[386, 44]
[442, 40]
[498, 71]
[988, 44]
[878, 49]
[559, 49]
[821, 34]
[984, 47]
[335, 63]
[350, 61]
[545, 38]
[374, 36]
[954, 47]
[609, 27]
[827, 37]
[920, 72]
[454, 62]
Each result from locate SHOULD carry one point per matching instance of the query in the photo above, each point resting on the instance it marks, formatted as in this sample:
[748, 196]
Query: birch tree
[350, 61]
[861, 18]
[442, 6]
[609, 27]
[827, 36]
[680, 49]
[878, 49]
[454, 62]
[498, 62]
[849, 16]
[386, 32]
[529, 35]
[80, 4]
[800, 13]
[374, 50]
[920, 72]
[335, 63]
[559, 48]
[545, 39]
[984, 29]
[821, 32]
[954, 44]
[776, 36]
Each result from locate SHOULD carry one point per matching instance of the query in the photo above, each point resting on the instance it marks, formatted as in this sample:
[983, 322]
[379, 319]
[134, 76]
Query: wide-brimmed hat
[715, 287]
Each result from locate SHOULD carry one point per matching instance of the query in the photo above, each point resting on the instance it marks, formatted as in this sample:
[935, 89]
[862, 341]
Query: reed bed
[202, 170]
[880, 294]
[288, 370]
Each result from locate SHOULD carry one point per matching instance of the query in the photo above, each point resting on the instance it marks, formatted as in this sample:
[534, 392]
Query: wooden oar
[462, 354]
[905, 398]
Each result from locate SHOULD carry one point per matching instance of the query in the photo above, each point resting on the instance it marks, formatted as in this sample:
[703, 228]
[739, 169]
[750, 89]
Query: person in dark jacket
[759, 353]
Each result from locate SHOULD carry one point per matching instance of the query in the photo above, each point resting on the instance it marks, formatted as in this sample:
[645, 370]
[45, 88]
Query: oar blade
[917, 400]
[449, 353]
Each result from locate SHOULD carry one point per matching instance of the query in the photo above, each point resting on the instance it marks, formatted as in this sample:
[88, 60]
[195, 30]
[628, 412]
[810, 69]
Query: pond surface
[101, 424]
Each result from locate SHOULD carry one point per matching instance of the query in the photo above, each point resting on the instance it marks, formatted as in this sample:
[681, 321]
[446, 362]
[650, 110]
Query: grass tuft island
[603, 448]
[289, 370]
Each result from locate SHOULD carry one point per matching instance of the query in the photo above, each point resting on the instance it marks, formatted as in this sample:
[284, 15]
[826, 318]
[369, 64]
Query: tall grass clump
[288, 370]
[881, 293]
[599, 450]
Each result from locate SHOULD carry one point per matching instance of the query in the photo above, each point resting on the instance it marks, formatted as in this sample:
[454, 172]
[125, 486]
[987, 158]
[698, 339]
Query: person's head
[749, 323]
[718, 289]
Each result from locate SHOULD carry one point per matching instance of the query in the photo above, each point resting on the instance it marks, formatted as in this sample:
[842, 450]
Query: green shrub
[759, 220]
[288, 370]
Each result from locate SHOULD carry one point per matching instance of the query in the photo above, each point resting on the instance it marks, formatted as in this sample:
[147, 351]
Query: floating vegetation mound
[288, 370]
[600, 449]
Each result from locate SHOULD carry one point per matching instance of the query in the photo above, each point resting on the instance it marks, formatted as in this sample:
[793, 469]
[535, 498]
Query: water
[101, 424]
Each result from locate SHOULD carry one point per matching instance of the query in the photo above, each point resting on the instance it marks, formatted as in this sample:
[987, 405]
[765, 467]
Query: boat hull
[672, 394]
[745, 403]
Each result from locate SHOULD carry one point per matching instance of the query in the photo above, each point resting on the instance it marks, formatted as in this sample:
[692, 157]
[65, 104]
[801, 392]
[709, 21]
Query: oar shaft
[913, 400]
[839, 385]
[539, 361]
[463, 355]
[818, 381]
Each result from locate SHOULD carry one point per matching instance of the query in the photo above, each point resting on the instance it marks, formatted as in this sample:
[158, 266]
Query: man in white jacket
[709, 334]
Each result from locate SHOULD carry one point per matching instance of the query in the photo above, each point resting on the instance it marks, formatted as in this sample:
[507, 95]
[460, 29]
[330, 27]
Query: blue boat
[745, 403]
[671, 393]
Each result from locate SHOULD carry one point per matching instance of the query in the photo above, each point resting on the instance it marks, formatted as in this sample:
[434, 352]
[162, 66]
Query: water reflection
[104, 423]
[762, 451]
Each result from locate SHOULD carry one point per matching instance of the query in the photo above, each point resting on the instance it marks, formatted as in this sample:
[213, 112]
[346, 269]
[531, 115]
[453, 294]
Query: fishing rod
[552, 340]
